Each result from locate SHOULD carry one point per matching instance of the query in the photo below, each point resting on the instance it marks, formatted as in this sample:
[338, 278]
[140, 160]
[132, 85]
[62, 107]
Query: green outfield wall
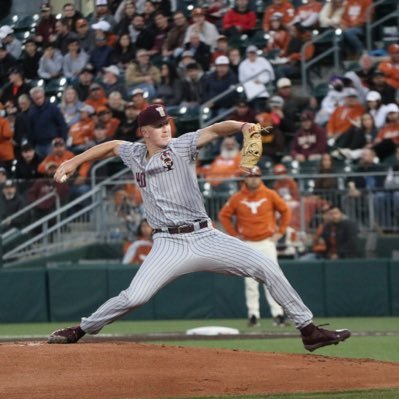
[64, 293]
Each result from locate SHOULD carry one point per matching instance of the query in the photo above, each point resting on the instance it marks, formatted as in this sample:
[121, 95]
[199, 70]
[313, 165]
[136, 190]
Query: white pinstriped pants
[203, 250]
[268, 248]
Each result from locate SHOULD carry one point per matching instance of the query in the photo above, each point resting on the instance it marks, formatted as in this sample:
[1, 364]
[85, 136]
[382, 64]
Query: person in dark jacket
[200, 51]
[46, 122]
[310, 141]
[193, 85]
[26, 166]
[15, 87]
[102, 55]
[30, 59]
[85, 80]
[170, 89]
[340, 236]
[7, 62]
[10, 203]
[219, 81]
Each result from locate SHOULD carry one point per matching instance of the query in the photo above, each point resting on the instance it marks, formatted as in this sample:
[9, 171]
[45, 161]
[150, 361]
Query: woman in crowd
[70, 106]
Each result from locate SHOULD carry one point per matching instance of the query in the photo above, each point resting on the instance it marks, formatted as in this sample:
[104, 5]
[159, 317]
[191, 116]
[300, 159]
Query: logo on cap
[153, 115]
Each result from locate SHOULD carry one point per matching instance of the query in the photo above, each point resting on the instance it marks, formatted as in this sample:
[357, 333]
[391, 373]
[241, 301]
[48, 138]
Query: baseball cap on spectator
[283, 82]
[26, 146]
[279, 169]
[222, 60]
[9, 183]
[373, 96]
[101, 3]
[350, 92]
[15, 69]
[6, 30]
[276, 16]
[3, 170]
[254, 172]
[95, 86]
[102, 109]
[81, 22]
[112, 69]
[58, 141]
[192, 65]
[87, 68]
[393, 48]
[45, 7]
[153, 115]
[221, 37]
[87, 108]
[102, 25]
[252, 49]
[276, 101]
[197, 11]
[377, 72]
[307, 116]
[137, 91]
[391, 108]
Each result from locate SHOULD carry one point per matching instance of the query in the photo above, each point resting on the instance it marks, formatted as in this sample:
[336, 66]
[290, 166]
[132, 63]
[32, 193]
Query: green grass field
[373, 338]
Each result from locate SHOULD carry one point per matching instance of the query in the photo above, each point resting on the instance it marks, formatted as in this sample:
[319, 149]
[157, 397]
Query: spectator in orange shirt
[58, 155]
[292, 54]
[388, 136]
[345, 116]
[136, 252]
[283, 7]
[354, 19]
[278, 36]
[308, 14]
[390, 68]
[6, 142]
[106, 125]
[81, 134]
[96, 96]
[225, 166]
[254, 208]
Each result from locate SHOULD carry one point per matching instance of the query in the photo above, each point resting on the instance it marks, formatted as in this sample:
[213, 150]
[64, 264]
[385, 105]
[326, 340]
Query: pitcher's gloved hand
[252, 146]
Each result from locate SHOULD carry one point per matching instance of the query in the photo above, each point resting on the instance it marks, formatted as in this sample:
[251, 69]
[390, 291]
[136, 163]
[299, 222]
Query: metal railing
[371, 25]
[94, 217]
[334, 49]
[29, 208]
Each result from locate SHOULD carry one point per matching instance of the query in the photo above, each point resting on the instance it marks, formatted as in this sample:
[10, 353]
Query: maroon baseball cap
[153, 115]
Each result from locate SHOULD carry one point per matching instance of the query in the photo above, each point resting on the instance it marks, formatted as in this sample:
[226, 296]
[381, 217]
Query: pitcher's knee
[133, 300]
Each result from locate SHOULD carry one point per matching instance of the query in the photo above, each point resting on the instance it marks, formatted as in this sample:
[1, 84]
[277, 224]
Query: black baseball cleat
[314, 337]
[253, 321]
[68, 335]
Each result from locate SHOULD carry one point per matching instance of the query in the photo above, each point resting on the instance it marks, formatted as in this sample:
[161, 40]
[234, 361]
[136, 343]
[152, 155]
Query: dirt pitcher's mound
[128, 370]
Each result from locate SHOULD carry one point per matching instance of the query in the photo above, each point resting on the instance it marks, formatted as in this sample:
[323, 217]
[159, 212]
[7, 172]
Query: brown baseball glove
[252, 146]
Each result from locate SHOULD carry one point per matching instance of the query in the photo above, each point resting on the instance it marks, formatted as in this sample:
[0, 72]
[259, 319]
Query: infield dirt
[101, 370]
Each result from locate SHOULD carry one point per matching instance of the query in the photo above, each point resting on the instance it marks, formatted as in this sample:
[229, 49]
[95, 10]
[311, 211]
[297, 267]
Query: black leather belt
[185, 228]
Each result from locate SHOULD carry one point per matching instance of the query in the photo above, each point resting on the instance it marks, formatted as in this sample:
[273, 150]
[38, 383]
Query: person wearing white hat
[111, 82]
[255, 72]
[217, 82]
[376, 108]
[13, 45]
[101, 56]
[102, 13]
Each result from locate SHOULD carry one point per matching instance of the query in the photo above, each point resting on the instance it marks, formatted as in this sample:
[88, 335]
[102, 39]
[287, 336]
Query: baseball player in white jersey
[184, 239]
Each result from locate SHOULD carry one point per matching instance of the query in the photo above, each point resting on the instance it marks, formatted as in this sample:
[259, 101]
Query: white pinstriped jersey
[167, 181]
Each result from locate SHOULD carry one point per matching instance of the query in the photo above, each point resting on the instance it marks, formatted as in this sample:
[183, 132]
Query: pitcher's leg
[237, 258]
[252, 297]
[162, 265]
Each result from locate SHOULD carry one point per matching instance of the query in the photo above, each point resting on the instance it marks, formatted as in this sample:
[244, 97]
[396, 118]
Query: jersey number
[140, 178]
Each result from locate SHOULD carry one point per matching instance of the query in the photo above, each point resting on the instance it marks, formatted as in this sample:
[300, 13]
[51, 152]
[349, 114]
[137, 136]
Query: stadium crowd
[110, 65]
